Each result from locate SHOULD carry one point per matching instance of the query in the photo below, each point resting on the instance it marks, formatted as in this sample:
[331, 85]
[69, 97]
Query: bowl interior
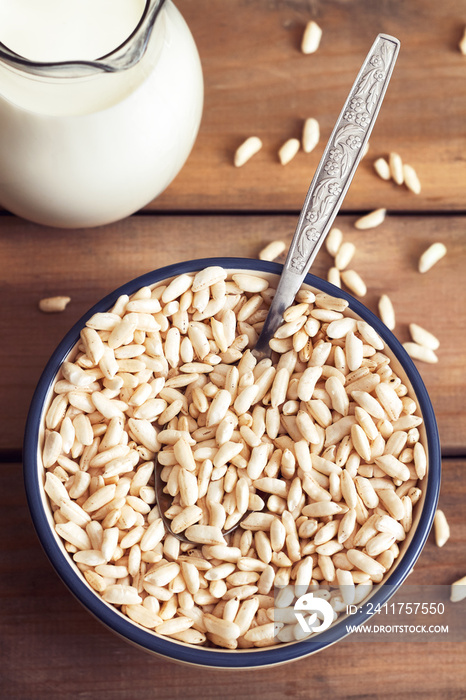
[41, 512]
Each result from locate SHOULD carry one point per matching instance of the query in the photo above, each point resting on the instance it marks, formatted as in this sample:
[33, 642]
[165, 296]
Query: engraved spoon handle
[332, 178]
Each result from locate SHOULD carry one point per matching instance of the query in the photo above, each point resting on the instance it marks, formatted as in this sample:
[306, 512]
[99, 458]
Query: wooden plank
[52, 648]
[86, 265]
[257, 81]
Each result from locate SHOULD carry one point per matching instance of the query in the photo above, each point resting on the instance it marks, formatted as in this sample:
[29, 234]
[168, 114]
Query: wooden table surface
[257, 82]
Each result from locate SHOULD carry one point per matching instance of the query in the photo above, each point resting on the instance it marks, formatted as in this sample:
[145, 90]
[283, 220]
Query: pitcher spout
[134, 48]
[123, 57]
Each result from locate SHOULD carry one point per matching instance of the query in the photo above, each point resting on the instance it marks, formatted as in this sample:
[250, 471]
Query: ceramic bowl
[208, 656]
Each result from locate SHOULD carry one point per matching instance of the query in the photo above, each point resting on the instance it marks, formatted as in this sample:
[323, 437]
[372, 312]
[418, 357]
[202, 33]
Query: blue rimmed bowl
[214, 657]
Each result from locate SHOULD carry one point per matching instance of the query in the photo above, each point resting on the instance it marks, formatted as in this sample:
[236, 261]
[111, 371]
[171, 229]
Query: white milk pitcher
[100, 105]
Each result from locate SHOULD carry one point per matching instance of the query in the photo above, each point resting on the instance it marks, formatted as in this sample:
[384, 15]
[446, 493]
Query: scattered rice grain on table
[354, 282]
[288, 151]
[396, 167]
[441, 528]
[344, 255]
[333, 276]
[382, 168]
[247, 150]
[371, 220]
[458, 590]
[420, 352]
[52, 305]
[386, 311]
[462, 43]
[431, 256]
[411, 179]
[423, 337]
[272, 250]
[311, 38]
[333, 241]
[311, 135]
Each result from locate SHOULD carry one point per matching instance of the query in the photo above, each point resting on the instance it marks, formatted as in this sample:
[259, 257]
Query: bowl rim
[176, 651]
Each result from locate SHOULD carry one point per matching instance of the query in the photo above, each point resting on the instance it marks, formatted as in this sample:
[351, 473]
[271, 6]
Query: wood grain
[51, 647]
[88, 264]
[257, 82]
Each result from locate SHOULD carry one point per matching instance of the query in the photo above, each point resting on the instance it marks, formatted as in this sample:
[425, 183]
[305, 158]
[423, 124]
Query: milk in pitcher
[86, 139]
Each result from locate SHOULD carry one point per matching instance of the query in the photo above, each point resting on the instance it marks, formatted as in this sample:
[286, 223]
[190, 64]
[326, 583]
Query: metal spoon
[332, 179]
[329, 185]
